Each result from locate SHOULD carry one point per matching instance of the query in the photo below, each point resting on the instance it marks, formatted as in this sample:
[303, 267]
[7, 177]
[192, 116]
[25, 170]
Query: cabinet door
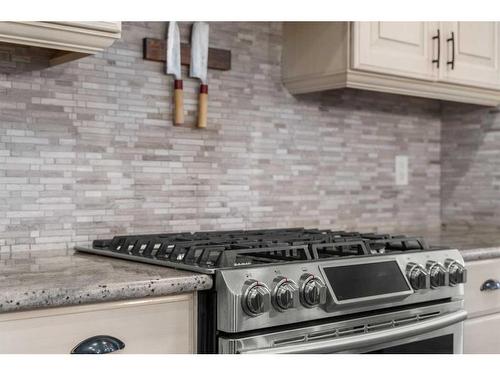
[159, 325]
[399, 48]
[482, 302]
[476, 54]
[481, 335]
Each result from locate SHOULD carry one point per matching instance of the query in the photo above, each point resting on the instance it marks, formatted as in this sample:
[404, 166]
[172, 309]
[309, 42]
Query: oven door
[434, 329]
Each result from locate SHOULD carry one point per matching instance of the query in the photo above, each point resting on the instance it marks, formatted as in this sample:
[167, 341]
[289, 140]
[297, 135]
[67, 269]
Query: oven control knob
[286, 294]
[312, 290]
[437, 274]
[256, 298]
[418, 276]
[456, 272]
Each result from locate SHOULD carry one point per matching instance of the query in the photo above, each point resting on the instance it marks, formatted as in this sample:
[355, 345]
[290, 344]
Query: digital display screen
[365, 280]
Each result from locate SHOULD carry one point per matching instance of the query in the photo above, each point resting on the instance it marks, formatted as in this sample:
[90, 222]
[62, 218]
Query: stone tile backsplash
[87, 149]
[470, 190]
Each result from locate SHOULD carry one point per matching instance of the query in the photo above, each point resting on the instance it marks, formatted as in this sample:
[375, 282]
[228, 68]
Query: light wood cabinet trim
[432, 90]
[64, 57]
[394, 85]
[54, 311]
[60, 36]
[106, 26]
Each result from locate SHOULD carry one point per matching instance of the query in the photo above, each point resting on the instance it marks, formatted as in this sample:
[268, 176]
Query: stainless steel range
[313, 291]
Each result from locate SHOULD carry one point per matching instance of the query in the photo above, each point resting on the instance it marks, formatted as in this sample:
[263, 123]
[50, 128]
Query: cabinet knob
[99, 345]
[490, 284]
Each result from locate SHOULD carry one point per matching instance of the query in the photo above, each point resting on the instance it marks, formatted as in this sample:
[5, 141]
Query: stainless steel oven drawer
[438, 325]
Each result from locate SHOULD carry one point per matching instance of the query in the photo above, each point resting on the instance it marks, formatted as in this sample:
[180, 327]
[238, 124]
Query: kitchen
[90, 151]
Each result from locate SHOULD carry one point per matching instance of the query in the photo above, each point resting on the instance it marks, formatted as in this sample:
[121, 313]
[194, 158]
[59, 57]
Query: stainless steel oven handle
[367, 339]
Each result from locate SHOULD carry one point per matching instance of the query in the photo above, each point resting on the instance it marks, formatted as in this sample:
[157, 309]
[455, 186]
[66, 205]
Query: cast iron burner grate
[229, 249]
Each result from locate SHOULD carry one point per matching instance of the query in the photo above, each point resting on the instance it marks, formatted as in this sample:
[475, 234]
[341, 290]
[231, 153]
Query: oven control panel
[435, 274]
[258, 297]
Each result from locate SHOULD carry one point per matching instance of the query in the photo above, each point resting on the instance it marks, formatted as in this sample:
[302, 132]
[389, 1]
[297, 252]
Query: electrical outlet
[401, 170]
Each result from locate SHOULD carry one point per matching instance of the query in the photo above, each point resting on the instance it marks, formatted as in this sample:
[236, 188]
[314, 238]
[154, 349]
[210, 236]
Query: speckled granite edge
[474, 243]
[45, 298]
[470, 255]
[34, 280]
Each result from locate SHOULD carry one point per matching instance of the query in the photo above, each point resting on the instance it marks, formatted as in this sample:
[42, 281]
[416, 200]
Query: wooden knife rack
[154, 50]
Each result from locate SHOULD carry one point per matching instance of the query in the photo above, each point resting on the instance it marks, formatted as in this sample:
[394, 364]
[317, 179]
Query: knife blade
[173, 67]
[199, 66]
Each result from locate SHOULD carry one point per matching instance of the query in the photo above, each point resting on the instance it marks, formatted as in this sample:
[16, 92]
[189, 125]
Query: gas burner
[208, 251]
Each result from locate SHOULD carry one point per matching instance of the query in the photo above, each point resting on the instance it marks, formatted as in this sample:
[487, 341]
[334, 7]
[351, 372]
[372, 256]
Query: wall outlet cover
[401, 170]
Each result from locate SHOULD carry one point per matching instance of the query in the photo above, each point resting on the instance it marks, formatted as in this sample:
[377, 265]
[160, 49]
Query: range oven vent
[355, 330]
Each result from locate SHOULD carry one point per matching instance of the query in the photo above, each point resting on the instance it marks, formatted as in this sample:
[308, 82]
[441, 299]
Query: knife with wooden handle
[199, 66]
[173, 67]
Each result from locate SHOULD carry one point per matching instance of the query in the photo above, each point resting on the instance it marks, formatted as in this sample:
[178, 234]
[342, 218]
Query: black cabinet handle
[438, 37]
[490, 284]
[452, 40]
[98, 345]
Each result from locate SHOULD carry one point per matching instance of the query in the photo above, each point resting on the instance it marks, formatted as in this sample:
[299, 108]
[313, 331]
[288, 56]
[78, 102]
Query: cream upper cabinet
[67, 41]
[472, 53]
[408, 58]
[399, 48]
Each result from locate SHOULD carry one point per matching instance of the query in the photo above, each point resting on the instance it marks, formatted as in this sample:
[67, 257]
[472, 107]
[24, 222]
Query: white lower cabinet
[482, 303]
[482, 335]
[146, 326]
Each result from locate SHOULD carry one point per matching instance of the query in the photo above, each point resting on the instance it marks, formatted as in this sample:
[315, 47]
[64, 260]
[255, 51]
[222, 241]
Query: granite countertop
[30, 280]
[473, 243]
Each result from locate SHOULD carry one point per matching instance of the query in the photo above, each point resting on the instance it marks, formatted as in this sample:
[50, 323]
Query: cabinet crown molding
[65, 38]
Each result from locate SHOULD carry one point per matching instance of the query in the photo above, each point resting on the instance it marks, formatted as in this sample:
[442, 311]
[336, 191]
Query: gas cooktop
[269, 278]
[207, 252]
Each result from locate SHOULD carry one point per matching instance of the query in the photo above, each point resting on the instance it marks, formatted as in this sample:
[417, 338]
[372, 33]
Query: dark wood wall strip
[154, 50]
